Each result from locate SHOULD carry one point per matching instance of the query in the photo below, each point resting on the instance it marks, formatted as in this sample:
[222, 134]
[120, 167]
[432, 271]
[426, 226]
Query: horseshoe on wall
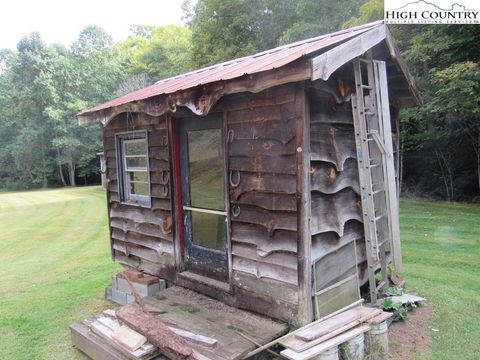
[236, 210]
[164, 177]
[164, 191]
[164, 141]
[230, 178]
[230, 136]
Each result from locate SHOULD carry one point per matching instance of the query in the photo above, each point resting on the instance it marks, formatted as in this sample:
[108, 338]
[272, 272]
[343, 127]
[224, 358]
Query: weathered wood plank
[265, 244]
[154, 243]
[143, 228]
[264, 113]
[156, 331]
[278, 129]
[285, 259]
[277, 95]
[268, 201]
[271, 183]
[256, 147]
[326, 243]
[331, 212]
[264, 164]
[325, 178]
[276, 290]
[338, 265]
[144, 265]
[262, 270]
[332, 143]
[269, 219]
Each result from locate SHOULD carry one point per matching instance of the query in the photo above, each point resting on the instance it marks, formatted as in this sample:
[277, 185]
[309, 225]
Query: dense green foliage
[42, 86]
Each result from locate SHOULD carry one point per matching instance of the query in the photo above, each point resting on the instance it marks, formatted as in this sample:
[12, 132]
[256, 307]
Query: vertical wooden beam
[226, 191]
[390, 183]
[176, 192]
[107, 189]
[305, 307]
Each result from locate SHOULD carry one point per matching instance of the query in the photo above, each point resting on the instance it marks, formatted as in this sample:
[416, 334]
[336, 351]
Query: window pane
[138, 176]
[136, 147]
[139, 189]
[208, 230]
[205, 156]
[137, 162]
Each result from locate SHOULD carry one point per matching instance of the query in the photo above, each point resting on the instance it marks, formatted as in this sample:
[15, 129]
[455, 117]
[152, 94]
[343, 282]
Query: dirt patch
[409, 339]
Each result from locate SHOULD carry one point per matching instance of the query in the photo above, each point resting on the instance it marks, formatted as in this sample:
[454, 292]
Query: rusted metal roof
[263, 61]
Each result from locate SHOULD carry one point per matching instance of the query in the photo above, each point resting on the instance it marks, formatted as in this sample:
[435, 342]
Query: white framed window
[133, 168]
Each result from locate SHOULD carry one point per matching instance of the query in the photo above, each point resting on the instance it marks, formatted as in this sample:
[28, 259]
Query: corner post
[305, 309]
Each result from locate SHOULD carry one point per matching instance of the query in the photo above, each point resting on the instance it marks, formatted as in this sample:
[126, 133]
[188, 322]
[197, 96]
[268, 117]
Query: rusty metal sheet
[264, 61]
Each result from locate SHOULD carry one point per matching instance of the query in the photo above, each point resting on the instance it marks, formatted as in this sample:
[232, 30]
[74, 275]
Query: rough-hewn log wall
[262, 185]
[142, 237]
[336, 207]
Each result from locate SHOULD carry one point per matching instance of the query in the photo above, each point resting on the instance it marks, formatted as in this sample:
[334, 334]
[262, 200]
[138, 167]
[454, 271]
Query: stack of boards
[327, 333]
[118, 341]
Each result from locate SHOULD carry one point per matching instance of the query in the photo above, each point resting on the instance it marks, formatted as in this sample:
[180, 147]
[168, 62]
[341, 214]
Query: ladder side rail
[390, 178]
[364, 176]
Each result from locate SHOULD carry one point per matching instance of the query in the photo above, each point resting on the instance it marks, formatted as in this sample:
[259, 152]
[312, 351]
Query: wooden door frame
[177, 201]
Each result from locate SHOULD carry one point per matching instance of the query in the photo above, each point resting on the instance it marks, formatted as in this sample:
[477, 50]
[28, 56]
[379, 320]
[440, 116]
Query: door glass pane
[139, 188]
[138, 176]
[208, 230]
[205, 157]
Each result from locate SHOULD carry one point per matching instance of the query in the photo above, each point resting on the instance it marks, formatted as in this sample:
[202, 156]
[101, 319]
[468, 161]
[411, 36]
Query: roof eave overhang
[201, 99]
[324, 65]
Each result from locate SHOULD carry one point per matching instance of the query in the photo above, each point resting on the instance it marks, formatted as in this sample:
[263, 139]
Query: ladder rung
[364, 60]
[380, 216]
[377, 191]
[381, 285]
[368, 87]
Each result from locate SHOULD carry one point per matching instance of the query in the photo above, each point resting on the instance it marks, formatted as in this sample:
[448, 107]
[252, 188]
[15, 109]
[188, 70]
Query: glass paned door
[203, 193]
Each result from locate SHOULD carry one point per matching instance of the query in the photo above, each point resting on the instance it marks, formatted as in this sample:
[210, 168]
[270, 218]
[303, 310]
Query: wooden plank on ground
[128, 338]
[336, 322]
[299, 345]
[156, 332]
[93, 346]
[324, 346]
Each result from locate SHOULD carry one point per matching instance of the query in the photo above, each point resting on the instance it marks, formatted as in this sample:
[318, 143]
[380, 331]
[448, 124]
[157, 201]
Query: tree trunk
[71, 173]
[62, 177]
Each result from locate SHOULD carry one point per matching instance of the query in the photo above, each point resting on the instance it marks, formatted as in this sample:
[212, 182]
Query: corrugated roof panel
[264, 61]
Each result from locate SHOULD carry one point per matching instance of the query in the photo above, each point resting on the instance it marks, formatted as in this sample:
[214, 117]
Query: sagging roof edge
[202, 98]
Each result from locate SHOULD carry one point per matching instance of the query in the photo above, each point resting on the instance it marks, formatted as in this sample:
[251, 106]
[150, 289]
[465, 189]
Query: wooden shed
[269, 181]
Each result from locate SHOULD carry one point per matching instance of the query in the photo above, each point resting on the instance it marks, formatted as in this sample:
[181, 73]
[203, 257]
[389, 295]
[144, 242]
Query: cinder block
[108, 293]
[114, 282]
[119, 297]
[143, 289]
[130, 298]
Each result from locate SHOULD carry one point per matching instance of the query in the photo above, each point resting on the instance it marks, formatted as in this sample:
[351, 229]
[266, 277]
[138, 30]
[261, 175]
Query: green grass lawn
[55, 263]
[441, 252]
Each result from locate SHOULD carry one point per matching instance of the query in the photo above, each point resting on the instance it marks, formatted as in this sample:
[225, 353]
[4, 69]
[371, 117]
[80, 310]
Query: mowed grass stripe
[441, 250]
[54, 270]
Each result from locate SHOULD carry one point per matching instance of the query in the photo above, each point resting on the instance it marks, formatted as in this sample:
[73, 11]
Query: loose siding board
[142, 237]
[338, 244]
[262, 186]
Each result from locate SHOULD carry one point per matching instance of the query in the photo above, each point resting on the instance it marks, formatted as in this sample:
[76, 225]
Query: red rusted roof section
[264, 61]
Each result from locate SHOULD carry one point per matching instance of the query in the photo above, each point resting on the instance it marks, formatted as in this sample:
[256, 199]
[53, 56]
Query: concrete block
[108, 293]
[119, 297]
[143, 289]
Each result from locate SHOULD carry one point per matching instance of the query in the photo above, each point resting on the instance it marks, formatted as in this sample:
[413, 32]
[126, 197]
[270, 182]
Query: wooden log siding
[336, 206]
[262, 185]
[142, 237]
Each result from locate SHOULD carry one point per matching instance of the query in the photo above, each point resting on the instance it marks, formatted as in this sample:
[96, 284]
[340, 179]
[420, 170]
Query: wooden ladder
[371, 115]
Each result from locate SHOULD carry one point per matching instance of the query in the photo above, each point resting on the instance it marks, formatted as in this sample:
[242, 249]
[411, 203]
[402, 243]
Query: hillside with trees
[43, 86]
